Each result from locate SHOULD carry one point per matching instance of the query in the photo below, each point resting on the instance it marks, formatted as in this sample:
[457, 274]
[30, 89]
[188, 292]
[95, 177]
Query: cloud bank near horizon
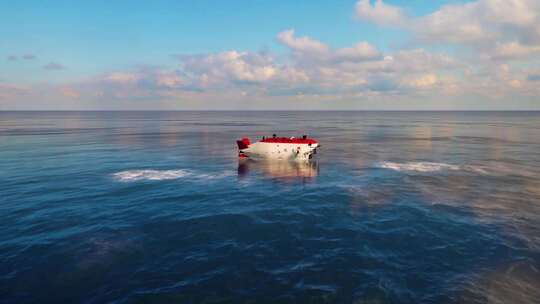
[484, 50]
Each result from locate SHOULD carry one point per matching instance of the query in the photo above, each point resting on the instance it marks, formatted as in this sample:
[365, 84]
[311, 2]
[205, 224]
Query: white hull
[284, 151]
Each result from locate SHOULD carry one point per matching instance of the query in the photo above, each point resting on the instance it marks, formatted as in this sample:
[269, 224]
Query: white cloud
[306, 48]
[169, 80]
[513, 50]
[379, 13]
[508, 29]
[451, 23]
[423, 81]
[360, 51]
[494, 48]
[233, 68]
[350, 72]
[301, 44]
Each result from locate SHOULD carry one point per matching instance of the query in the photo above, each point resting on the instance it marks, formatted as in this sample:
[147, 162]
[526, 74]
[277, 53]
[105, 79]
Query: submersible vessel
[286, 148]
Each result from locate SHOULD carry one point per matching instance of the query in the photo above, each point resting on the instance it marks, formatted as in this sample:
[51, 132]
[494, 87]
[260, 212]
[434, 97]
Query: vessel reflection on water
[281, 170]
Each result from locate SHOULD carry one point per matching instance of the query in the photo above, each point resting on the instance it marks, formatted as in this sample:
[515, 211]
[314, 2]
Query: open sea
[155, 207]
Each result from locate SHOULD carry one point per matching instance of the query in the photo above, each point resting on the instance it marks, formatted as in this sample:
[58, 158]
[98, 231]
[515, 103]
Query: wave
[139, 175]
[424, 167]
[157, 175]
[492, 170]
[417, 166]
[210, 176]
[502, 170]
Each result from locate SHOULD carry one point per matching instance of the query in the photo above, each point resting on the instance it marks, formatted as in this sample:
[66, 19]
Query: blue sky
[188, 54]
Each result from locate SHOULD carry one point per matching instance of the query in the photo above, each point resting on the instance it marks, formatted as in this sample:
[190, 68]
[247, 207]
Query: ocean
[155, 207]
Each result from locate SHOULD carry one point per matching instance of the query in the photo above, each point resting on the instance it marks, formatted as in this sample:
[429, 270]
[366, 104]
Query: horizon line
[282, 110]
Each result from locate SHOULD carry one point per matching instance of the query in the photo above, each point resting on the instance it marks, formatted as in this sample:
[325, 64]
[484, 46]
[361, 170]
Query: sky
[271, 55]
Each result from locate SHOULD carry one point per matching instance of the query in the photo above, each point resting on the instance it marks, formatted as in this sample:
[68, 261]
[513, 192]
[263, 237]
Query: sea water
[397, 207]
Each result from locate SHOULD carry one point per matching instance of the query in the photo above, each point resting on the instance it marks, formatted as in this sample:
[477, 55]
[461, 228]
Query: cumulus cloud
[379, 13]
[314, 71]
[490, 40]
[137, 83]
[301, 44]
[169, 80]
[359, 51]
[233, 68]
[306, 48]
[499, 29]
[514, 50]
[237, 66]
[423, 81]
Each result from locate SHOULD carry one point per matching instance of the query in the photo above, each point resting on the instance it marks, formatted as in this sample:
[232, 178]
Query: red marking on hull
[243, 143]
[286, 140]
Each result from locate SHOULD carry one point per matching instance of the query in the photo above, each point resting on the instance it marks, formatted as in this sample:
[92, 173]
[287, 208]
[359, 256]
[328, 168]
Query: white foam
[157, 175]
[154, 175]
[211, 176]
[501, 170]
[418, 166]
[477, 169]
[490, 170]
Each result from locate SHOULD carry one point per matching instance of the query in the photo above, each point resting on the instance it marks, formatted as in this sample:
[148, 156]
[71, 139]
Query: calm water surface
[154, 207]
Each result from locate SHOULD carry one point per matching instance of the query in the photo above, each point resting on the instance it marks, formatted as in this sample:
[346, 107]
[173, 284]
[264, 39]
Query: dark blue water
[154, 207]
